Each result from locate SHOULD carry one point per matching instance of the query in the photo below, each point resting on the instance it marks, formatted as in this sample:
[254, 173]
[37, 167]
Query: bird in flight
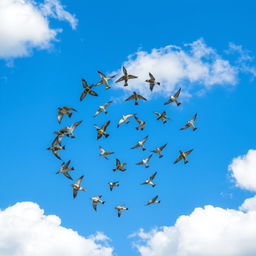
[102, 130]
[68, 131]
[162, 117]
[65, 169]
[190, 124]
[159, 150]
[125, 119]
[183, 155]
[104, 153]
[145, 161]
[77, 187]
[113, 184]
[103, 108]
[141, 144]
[87, 90]
[104, 80]
[149, 181]
[119, 209]
[64, 111]
[174, 98]
[153, 201]
[125, 77]
[119, 166]
[95, 201]
[141, 123]
[152, 82]
[55, 148]
[136, 97]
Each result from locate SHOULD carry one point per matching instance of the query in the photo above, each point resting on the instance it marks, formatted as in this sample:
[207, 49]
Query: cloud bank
[27, 231]
[24, 26]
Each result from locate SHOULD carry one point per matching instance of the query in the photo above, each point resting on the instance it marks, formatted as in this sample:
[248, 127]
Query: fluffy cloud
[24, 25]
[208, 231]
[27, 231]
[174, 66]
[249, 204]
[243, 170]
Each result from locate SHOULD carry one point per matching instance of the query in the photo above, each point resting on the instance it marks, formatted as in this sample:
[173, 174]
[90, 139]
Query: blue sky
[34, 85]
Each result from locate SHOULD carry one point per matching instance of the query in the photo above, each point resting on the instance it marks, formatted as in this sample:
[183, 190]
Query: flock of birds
[56, 145]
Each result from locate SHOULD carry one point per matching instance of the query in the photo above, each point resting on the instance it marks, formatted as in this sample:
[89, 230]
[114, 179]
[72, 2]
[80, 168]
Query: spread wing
[178, 159]
[57, 140]
[120, 79]
[74, 125]
[101, 74]
[149, 157]
[55, 152]
[158, 114]
[74, 192]
[93, 93]
[194, 118]
[184, 127]
[131, 76]
[94, 205]
[66, 164]
[104, 127]
[125, 71]
[119, 212]
[154, 199]
[84, 83]
[136, 146]
[188, 152]
[151, 76]
[118, 162]
[138, 120]
[177, 94]
[69, 108]
[145, 139]
[131, 97]
[60, 116]
[101, 149]
[78, 182]
[84, 93]
[141, 97]
[162, 147]
[107, 104]
[153, 176]
[67, 175]
[140, 163]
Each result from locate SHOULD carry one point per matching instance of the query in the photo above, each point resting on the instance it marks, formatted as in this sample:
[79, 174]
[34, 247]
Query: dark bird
[162, 117]
[183, 155]
[190, 124]
[145, 161]
[136, 98]
[174, 98]
[113, 184]
[152, 82]
[119, 166]
[95, 201]
[159, 150]
[103, 108]
[141, 144]
[55, 148]
[153, 201]
[87, 90]
[77, 187]
[149, 181]
[141, 124]
[102, 130]
[125, 77]
[65, 169]
[64, 111]
[104, 80]
[119, 209]
[104, 153]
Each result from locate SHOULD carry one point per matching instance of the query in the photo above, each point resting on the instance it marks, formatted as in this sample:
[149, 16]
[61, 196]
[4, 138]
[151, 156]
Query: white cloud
[249, 204]
[27, 231]
[208, 231]
[243, 170]
[174, 66]
[24, 25]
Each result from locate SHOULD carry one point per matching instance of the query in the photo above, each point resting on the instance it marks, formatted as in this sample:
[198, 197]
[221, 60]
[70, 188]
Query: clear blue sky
[107, 32]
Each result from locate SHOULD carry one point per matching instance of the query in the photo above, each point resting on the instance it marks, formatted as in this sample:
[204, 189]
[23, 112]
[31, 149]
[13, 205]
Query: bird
[125, 119]
[145, 161]
[95, 201]
[174, 98]
[58, 139]
[162, 117]
[119, 209]
[65, 169]
[103, 108]
[141, 144]
[64, 110]
[153, 201]
[141, 123]
[102, 130]
[87, 90]
[152, 82]
[104, 153]
[159, 150]
[104, 80]
[55, 148]
[149, 181]
[125, 77]
[68, 131]
[113, 184]
[119, 166]
[135, 96]
[190, 124]
[183, 155]
[77, 187]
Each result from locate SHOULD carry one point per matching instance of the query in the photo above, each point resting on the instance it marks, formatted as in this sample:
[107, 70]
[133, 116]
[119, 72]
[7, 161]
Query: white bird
[77, 187]
[153, 201]
[141, 144]
[95, 201]
[159, 150]
[104, 80]
[103, 108]
[174, 98]
[68, 131]
[149, 181]
[113, 184]
[119, 209]
[145, 161]
[125, 119]
[190, 124]
[65, 169]
[104, 153]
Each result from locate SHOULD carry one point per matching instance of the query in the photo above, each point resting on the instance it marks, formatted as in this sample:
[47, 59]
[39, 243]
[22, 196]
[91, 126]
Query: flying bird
[77, 187]
[153, 201]
[141, 123]
[136, 97]
[125, 77]
[119, 166]
[119, 209]
[190, 124]
[102, 130]
[65, 169]
[87, 90]
[162, 117]
[159, 150]
[55, 148]
[103, 108]
[104, 80]
[113, 184]
[104, 153]
[145, 161]
[64, 111]
[149, 181]
[183, 155]
[125, 119]
[174, 98]
[141, 144]
[152, 82]
[95, 201]
[68, 131]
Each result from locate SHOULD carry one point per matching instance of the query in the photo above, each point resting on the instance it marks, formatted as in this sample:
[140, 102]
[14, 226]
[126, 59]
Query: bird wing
[194, 118]
[118, 162]
[158, 114]
[118, 212]
[60, 116]
[74, 192]
[107, 104]
[144, 140]
[84, 83]
[78, 182]
[84, 93]
[56, 154]
[67, 175]
[69, 108]
[178, 159]
[151, 86]
[154, 199]
[188, 152]
[99, 135]
[101, 74]
[124, 71]
[131, 97]
[74, 125]
[162, 147]
[57, 140]
[131, 77]
[184, 127]
[120, 79]
[151, 76]
[93, 93]
[94, 205]
[138, 120]
[177, 94]
[140, 163]
[136, 146]
[104, 127]
[141, 97]
[151, 178]
[149, 157]
[101, 149]
[65, 165]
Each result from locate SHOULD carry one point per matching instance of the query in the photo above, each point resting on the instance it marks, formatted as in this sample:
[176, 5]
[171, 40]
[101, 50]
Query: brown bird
[190, 124]
[159, 150]
[68, 131]
[105, 153]
[174, 98]
[102, 130]
[145, 161]
[125, 77]
[77, 187]
[87, 90]
[104, 80]
[149, 181]
[136, 98]
[162, 117]
[64, 111]
[119, 166]
[153, 201]
[152, 82]
[183, 155]
[65, 169]
[55, 148]
[119, 209]
[141, 144]
[95, 201]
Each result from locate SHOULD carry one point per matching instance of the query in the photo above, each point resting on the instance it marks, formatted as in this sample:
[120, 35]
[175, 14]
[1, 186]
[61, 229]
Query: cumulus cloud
[24, 25]
[243, 170]
[27, 231]
[175, 66]
[249, 204]
[208, 231]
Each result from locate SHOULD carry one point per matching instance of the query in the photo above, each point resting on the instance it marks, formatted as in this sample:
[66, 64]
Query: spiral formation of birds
[102, 131]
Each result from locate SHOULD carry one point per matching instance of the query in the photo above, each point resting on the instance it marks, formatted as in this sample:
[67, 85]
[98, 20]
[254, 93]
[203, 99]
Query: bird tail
[106, 135]
[194, 129]
[64, 147]
[178, 103]
[69, 114]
